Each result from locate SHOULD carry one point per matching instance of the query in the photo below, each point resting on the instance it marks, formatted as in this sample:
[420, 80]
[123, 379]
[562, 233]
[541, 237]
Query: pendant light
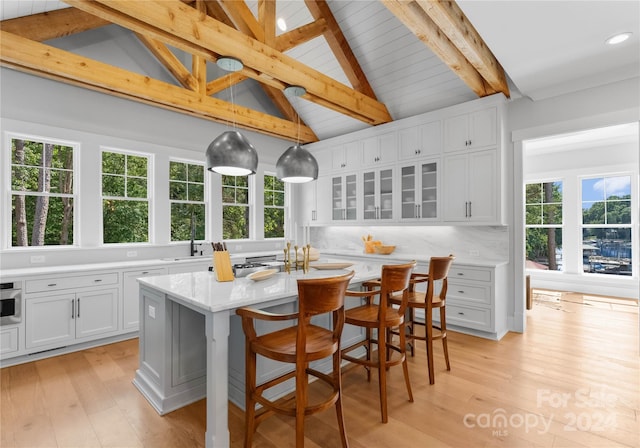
[296, 164]
[230, 153]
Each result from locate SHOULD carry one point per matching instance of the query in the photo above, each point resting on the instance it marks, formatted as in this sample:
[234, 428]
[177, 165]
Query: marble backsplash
[486, 242]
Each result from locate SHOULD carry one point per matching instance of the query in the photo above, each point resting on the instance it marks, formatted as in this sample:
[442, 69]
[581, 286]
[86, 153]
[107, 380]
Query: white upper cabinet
[379, 149]
[344, 200]
[474, 130]
[419, 191]
[346, 157]
[470, 187]
[315, 202]
[420, 141]
[378, 194]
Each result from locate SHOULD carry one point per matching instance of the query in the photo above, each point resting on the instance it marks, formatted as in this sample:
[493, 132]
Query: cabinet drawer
[464, 273]
[471, 294]
[463, 316]
[8, 340]
[76, 281]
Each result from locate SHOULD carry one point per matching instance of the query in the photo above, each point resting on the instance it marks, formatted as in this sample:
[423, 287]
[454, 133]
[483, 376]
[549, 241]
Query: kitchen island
[189, 346]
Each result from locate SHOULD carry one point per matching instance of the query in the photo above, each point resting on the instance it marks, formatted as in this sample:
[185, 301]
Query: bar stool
[298, 344]
[382, 317]
[428, 300]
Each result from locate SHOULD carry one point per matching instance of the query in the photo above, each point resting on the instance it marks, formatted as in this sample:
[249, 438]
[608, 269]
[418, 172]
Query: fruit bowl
[384, 250]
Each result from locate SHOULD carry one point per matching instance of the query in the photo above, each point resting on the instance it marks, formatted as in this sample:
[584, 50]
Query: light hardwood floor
[573, 379]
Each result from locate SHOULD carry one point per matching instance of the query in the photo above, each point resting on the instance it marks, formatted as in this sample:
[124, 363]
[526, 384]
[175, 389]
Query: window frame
[250, 205]
[149, 198]
[631, 225]
[205, 197]
[284, 206]
[543, 225]
[8, 185]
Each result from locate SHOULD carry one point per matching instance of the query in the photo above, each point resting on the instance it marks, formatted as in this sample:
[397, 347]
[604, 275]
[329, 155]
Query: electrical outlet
[152, 312]
[132, 253]
[37, 258]
[474, 252]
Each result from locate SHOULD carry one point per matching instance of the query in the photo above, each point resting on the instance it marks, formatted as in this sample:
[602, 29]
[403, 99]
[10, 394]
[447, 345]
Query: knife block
[222, 266]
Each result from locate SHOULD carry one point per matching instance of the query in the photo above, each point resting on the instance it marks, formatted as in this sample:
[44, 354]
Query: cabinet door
[428, 205]
[482, 186]
[337, 206]
[454, 187]
[350, 199]
[131, 296]
[50, 320]
[96, 312]
[409, 192]
[380, 149]
[370, 151]
[456, 133]
[420, 141]
[482, 128]
[377, 188]
[323, 199]
[347, 156]
[419, 191]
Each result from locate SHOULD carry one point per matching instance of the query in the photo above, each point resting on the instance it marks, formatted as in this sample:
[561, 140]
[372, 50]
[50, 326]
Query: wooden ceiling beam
[170, 62]
[53, 63]
[300, 35]
[53, 24]
[448, 16]
[418, 21]
[340, 47]
[180, 25]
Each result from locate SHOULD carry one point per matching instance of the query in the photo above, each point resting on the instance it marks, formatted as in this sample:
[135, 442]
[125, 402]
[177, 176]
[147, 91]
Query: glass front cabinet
[344, 203]
[377, 194]
[419, 191]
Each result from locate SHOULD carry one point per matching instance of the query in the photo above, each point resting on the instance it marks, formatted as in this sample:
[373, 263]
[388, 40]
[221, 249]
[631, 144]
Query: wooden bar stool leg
[429, 344]
[302, 382]
[443, 330]
[337, 380]
[405, 366]
[368, 349]
[250, 406]
[382, 372]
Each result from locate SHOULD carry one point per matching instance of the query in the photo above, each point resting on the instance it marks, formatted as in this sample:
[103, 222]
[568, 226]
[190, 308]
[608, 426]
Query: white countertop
[420, 258]
[202, 291]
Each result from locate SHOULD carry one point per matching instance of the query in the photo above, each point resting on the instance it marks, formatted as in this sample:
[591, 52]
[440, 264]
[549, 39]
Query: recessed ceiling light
[618, 38]
[282, 24]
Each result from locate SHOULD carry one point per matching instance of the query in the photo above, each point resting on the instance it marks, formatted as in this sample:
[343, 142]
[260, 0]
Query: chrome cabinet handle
[73, 309]
[78, 315]
[52, 284]
[98, 280]
[145, 272]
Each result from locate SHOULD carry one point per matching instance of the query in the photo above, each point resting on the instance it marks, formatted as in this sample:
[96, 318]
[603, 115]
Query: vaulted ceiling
[208, 30]
[362, 63]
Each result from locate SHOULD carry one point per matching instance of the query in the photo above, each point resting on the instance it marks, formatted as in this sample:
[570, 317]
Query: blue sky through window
[599, 188]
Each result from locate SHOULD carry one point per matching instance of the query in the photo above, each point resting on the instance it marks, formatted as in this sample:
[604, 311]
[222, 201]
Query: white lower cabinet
[131, 295]
[9, 342]
[54, 320]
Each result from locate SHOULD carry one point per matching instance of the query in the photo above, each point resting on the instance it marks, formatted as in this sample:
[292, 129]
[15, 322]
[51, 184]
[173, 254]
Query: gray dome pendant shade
[297, 165]
[232, 154]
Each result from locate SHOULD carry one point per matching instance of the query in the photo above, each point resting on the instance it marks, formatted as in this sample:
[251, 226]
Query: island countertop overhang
[203, 292]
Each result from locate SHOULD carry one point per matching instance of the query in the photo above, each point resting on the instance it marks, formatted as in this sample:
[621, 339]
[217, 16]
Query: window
[273, 207]
[125, 198]
[42, 193]
[235, 207]
[186, 195]
[544, 220]
[606, 225]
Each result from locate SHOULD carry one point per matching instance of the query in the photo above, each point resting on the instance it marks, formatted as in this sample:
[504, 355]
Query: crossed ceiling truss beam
[209, 29]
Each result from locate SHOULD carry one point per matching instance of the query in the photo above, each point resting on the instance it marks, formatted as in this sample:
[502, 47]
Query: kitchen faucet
[193, 249]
